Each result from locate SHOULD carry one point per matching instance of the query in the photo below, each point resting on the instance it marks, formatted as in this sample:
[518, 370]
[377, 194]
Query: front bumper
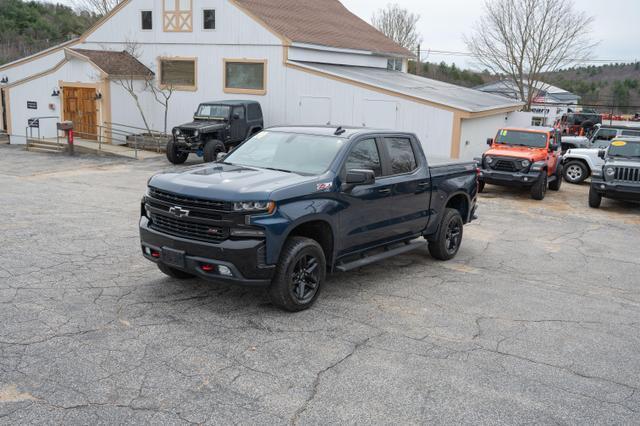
[244, 258]
[518, 179]
[616, 190]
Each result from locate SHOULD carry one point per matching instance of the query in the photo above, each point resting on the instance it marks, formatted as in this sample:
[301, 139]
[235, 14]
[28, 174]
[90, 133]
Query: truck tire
[595, 199]
[556, 184]
[539, 189]
[575, 172]
[299, 275]
[211, 150]
[173, 153]
[448, 239]
[174, 273]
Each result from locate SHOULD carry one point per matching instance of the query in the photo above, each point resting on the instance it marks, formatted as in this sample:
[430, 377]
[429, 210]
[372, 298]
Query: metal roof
[434, 91]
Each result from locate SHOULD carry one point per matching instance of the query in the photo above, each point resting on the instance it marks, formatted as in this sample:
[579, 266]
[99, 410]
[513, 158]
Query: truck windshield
[624, 149]
[288, 152]
[219, 112]
[521, 138]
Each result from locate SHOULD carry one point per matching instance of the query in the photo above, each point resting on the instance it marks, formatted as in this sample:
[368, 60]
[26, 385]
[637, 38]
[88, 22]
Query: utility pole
[419, 63]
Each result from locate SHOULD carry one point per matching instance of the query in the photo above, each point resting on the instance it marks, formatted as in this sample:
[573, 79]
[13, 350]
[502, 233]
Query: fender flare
[467, 198]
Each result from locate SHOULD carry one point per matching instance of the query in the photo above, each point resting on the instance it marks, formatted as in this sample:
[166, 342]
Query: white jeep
[578, 164]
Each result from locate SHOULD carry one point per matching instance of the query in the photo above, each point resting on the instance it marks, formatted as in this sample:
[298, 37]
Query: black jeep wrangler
[216, 127]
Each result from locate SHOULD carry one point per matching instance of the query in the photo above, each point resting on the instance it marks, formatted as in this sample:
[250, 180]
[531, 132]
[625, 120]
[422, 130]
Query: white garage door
[315, 110]
[380, 114]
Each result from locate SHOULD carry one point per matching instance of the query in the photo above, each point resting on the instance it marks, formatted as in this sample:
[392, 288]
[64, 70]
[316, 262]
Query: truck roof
[349, 131]
[229, 102]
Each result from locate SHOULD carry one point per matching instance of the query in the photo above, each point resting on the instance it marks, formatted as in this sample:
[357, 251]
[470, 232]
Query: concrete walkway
[87, 146]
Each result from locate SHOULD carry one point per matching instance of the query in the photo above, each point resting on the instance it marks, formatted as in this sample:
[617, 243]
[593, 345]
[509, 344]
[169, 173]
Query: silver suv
[619, 177]
[600, 138]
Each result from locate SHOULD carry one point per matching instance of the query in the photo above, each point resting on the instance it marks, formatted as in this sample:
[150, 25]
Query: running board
[344, 267]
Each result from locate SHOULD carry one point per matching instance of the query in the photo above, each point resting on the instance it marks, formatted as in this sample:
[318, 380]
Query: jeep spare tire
[212, 149]
[174, 155]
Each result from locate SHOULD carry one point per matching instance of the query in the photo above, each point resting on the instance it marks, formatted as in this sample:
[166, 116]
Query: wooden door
[80, 107]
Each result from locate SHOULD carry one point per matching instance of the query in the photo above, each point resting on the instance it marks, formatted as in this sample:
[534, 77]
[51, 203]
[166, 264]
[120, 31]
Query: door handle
[424, 185]
[384, 191]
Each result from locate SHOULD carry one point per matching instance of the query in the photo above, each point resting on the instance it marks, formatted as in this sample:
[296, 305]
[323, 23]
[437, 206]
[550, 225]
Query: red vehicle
[577, 124]
[526, 158]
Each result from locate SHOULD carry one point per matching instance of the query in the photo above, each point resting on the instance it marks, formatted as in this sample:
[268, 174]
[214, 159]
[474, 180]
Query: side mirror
[602, 153]
[221, 156]
[553, 147]
[490, 141]
[360, 177]
[236, 116]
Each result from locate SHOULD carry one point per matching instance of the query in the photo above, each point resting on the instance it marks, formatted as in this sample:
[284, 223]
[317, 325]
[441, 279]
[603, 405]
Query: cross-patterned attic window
[178, 15]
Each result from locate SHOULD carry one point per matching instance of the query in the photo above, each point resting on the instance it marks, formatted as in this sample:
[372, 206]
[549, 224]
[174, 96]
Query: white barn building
[305, 61]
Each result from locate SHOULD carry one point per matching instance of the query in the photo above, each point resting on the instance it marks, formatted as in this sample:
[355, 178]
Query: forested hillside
[28, 27]
[614, 84]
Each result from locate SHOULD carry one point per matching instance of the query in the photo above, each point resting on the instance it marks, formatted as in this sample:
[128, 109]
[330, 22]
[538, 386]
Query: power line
[473, 55]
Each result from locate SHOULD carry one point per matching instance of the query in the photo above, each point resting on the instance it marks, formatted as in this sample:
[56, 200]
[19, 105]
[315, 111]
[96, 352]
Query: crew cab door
[365, 219]
[405, 169]
[238, 124]
[395, 206]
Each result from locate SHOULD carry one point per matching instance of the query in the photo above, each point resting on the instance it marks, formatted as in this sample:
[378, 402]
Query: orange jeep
[527, 158]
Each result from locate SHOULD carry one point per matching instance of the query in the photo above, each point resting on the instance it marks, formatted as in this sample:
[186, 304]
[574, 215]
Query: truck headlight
[254, 206]
[176, 131]
[610, 171]
[488, 159]
[525, 163]
[196, 133]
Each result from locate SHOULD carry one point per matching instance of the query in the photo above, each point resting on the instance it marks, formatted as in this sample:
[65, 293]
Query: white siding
[233, 27]
[474, 134]
[327, 57]
[39, 90]
[348, 102]
[29, 68]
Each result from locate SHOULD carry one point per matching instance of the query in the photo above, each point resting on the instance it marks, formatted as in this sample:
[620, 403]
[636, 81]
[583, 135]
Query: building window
[209, 19]
[178, 15]
[245, 76]
[147, 20]
[394, 64]
[178, 73]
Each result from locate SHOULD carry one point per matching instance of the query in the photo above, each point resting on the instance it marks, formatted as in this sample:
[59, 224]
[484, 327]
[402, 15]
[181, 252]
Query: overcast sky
[443, 23]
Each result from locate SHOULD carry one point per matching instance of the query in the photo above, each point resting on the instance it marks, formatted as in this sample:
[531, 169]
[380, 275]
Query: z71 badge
[324, 186]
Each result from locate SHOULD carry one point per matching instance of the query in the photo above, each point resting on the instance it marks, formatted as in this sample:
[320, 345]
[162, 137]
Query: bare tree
[100, 7]
[162, 95]
[524, 39]
[135, 85]
[399, 25]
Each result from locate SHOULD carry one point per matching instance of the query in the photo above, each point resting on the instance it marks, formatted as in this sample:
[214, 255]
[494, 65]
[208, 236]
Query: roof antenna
[339, 131]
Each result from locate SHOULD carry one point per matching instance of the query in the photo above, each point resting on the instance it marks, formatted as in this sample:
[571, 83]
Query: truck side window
[365, 156]
[403, 159]
[239, 111]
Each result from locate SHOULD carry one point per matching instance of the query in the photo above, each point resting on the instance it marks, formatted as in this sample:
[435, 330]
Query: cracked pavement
[536, 321]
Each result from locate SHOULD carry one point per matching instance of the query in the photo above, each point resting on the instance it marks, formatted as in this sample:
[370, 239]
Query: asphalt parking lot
[536, 321]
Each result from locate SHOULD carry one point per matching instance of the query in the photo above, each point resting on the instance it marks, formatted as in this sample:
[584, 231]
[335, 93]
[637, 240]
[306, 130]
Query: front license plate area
[173, 257]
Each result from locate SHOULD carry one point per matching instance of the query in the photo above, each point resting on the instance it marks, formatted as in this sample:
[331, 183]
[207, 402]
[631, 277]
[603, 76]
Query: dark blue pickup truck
[293, 203]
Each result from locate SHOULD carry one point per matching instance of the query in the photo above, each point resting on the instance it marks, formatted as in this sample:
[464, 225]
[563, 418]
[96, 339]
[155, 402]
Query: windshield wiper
[277, 170]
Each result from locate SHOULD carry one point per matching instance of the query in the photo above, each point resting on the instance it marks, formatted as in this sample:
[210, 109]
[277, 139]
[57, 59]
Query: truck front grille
[506, 165]
[189, 201]
[627, 174]
[188, 229]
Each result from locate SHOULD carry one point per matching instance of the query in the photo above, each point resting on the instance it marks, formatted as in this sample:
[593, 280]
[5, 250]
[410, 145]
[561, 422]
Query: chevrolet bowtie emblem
[179, 212]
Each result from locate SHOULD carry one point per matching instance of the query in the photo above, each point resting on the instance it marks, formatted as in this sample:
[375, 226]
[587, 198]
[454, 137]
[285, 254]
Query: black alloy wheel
[453, 236]
[305, 279]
